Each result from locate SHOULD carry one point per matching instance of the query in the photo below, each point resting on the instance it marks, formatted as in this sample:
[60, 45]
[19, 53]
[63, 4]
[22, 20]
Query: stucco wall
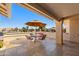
[74, 29]
[66, 36]
[67, 25]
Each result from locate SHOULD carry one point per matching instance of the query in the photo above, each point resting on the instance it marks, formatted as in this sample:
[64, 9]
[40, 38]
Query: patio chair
[44, 36]
[31, 36]
[41, 36]
[28, 37]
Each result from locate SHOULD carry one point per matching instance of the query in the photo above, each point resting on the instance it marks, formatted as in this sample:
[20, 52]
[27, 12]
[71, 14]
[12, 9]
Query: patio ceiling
[54, 10]
[38, 9]
[51, 10]
[62, 10]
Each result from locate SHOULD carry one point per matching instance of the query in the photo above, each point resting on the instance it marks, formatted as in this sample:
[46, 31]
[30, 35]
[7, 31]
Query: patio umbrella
[35, 23]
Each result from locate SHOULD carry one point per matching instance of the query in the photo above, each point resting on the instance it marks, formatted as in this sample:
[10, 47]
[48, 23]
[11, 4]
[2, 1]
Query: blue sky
[20, 16]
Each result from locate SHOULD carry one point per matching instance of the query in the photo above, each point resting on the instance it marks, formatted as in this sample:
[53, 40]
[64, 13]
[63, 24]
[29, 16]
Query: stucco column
[59, 32]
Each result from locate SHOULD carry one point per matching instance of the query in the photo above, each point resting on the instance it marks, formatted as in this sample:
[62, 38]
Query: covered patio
[67, 14]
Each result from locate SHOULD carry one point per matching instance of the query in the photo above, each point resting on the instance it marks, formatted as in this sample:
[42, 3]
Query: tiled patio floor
[47, 47]
[20, 46]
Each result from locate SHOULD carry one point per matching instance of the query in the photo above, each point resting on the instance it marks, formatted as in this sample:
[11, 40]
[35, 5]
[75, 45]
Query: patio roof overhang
[5, 9]
[55, 11]
[35, 7]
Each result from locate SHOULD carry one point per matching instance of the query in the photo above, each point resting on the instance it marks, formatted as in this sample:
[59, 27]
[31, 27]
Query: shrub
[1, 43]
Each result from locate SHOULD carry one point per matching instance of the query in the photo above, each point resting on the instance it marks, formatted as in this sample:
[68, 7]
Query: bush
[1, 43]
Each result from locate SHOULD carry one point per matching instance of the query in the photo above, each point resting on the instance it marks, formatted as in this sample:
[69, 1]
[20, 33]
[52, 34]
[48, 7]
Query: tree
[24, 29]
[53, 29]
[16, 29]
[43, 28]
[3, 29]
[27, 28]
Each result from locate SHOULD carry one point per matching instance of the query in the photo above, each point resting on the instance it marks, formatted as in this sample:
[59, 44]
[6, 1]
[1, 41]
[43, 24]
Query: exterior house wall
[66, 35]
[74, 29]
[67, 25]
